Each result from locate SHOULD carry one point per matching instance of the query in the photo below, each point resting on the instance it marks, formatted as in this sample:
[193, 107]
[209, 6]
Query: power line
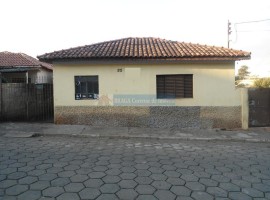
[252, 21]
[253, 31]
[246, 22]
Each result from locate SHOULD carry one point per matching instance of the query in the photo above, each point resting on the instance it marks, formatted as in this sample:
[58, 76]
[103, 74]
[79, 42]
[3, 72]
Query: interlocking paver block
[79, 178]
[28, 180]
[252, 192]
[171, 174]
[168, 167]
[262, 187]
[60, 181]
[40, 185]
[74, 187]
[146, 197]
[142, 172]
[17, 175]
[16, 189]
[89, 193]
[127, 194]
[156, 170]
[128, 169]
[162, 185]
[158, 177]
[53, 191]
[2, 177]
[55, 170]
[68, 196]
[143, 180]
[239, 196]
[251, 179]
[96, 174]
[109, 188]
[113, 172]
[164, 195]
[217, 192]
[107, 197]
[176, 181]
[208, 182]
[100, 168]
[111, 179]
[145, 189]
[189, 177]
[229, 187]
[127, 184]
[181, 190]
[36, 172]
[7, 183]
[25, 169]
[141, 166]
[93, 183]
[183, 198]
[195, 186]
[30, 195]
[44, 166]
[127, 175]
[220, 178]
[241, 183]
[47, 177]
[198, 195]
[84, 170]
[8, 170]
[71, 167]
[66, 174]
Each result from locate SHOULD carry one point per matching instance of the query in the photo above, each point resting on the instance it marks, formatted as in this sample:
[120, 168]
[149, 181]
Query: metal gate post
[245, 108]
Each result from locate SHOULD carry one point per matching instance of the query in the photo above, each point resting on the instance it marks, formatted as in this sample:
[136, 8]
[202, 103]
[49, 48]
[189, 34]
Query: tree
[243, 72]
[262, 83]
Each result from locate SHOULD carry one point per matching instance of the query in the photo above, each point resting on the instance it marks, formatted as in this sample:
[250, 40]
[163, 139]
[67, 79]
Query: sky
[36, 27]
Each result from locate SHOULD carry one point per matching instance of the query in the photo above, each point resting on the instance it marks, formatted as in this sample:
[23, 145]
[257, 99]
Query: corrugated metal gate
[26, 102]
[259, 107]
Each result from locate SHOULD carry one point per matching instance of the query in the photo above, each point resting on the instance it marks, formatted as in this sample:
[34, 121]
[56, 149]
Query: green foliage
[262, 83]
[243, 72]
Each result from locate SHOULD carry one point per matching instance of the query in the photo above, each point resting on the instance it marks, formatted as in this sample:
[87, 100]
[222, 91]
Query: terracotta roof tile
[8, 59]
[146, 48]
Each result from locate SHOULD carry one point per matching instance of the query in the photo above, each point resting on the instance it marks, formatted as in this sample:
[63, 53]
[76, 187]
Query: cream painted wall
[213, 84]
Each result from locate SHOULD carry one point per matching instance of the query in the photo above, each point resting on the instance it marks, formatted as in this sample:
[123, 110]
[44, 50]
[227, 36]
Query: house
[247, 82]
[146, 82]
[19, 67]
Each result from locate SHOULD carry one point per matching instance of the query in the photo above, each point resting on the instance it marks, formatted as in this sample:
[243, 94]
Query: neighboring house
[147, 82]
[247, 82]
[19, 67]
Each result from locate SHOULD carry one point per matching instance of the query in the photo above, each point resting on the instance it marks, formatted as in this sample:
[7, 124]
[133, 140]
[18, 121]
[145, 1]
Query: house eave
[18, 69]
[143, 61]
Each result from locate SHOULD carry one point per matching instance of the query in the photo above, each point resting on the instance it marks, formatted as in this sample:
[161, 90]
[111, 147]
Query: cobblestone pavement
[92, 168]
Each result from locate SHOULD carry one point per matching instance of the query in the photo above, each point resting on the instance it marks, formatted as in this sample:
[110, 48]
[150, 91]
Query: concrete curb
[153, 137]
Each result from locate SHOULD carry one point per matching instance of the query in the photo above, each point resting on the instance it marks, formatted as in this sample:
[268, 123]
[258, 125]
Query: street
[95, 168]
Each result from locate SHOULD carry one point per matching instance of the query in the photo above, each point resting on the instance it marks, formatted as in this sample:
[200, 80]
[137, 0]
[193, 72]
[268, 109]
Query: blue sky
[39, 26]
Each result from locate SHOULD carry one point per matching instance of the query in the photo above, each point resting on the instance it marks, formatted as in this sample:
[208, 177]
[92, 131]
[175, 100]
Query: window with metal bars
[174, 86]
[86, 87]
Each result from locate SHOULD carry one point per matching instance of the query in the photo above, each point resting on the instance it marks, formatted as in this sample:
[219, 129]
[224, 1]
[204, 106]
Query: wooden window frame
[174, 86]
[86, 87]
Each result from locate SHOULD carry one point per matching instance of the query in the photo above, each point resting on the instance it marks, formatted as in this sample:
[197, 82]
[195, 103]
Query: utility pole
[229, 33]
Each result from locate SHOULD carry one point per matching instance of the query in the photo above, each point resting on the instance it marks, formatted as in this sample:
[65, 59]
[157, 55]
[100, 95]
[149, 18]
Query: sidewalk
[261, 134]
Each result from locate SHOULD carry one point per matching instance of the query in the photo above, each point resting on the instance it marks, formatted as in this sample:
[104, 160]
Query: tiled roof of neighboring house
[8, 59]
[146, 48]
